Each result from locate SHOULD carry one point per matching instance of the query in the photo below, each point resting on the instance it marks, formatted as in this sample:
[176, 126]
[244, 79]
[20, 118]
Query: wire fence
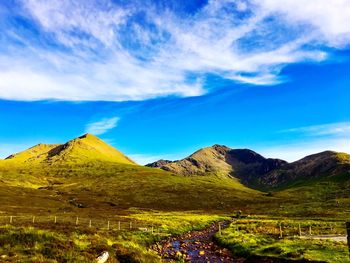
[57, 221]
[284, 228]
[280, 228]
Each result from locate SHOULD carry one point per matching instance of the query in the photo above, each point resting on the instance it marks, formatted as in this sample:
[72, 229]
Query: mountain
[324, 165]
[220, 160]
[86, 148]
[86, 173]
[86, 176]
[256, 171]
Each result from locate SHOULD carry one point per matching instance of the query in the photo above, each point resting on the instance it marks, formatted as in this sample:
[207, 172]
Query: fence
[292, 228]
[55, 221]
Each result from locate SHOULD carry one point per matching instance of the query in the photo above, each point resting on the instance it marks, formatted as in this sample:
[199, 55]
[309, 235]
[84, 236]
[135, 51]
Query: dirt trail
[198, 246]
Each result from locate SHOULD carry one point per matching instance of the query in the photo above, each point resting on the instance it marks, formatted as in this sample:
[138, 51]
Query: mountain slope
[320, 166]
[210, 160]
[256, 171]
[88, 173]
[220, 160]
[86, 148]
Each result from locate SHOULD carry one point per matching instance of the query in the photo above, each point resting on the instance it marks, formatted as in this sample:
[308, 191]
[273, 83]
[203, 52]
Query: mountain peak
[223, 161]
[88, 136]
[84, 149]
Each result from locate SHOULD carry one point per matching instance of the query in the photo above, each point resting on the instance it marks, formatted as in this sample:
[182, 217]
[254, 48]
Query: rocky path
[197, 246]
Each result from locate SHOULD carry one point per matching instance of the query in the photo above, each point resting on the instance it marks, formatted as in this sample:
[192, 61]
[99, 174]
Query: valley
[89, 179]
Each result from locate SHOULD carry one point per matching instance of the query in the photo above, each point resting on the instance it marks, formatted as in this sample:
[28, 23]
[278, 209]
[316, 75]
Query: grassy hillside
[86, 175]
[210, 160]
[255, 171]
[244, 164]
[111, 187]
[87, 148]
[322, 166]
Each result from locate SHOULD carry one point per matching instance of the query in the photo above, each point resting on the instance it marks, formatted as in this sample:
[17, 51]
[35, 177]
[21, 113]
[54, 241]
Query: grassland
[56, 243]
[262, 238]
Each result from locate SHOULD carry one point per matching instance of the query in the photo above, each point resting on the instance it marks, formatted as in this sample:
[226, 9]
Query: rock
[103, 257]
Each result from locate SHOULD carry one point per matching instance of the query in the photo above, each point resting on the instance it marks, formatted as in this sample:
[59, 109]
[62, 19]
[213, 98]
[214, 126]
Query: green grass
[260, 238]
[176, 223]
[98, 184]
[27, 244]
[65, 244]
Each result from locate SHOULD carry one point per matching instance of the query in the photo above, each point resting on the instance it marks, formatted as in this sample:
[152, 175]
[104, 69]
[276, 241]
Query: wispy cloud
[295, 151]
[335, 129]
[312, 139]
[101, 50]
[102, 126]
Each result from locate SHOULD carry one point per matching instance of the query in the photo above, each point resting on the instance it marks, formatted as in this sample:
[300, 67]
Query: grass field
[262, 237]
[62, 243]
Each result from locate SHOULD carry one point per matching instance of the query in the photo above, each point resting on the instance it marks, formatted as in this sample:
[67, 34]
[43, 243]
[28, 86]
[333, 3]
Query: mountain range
[88, 173]
[254, 170]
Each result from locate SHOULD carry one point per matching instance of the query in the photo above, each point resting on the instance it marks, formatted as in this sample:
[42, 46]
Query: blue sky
[160, 79]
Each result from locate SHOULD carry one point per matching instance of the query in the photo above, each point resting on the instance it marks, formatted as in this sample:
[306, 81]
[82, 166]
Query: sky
[163, 78]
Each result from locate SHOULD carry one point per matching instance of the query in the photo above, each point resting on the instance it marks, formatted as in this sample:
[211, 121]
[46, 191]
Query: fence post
[118, 225]
[90, 223]
[348, 232]
[310, 230]
[10, 219]
[281, 233]
[33, 219]
[77, 221]
[55, 219]
[152, 230]
[130, 224]
[107, 225]
[299, 230]
[219, 229]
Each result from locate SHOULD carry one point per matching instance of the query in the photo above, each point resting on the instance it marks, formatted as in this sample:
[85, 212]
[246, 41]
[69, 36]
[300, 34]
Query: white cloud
[330, 19]
[102, 52]
[312, 139]
[102, 126]
[65, 16]
[334, 129]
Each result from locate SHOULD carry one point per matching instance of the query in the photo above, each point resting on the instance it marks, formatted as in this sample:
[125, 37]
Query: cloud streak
[330, 129]
[295, 151]
[102, 126]
[100, 50]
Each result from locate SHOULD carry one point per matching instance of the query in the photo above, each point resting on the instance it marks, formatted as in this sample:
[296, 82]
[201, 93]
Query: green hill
[86, 175]
[86, 148]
